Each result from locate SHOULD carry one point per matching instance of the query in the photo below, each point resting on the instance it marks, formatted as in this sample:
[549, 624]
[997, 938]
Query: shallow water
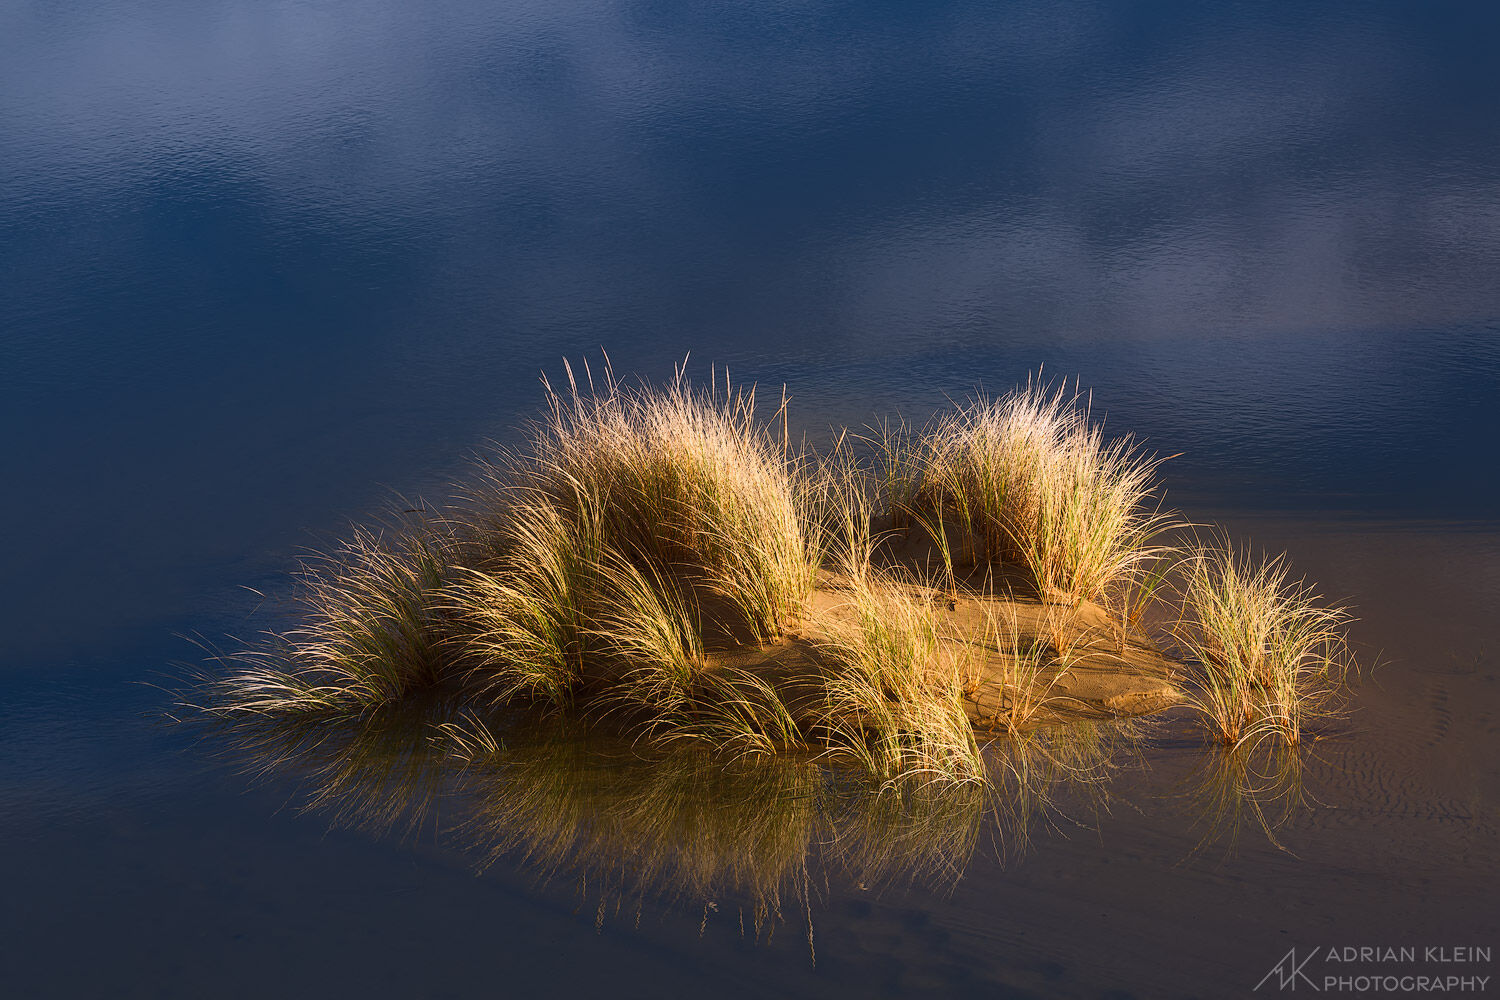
[265, 263]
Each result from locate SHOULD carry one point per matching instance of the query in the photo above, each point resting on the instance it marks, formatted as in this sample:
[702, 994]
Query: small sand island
[664, 564]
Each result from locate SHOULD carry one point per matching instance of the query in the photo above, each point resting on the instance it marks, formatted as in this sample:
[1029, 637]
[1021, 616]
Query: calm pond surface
[264, 264]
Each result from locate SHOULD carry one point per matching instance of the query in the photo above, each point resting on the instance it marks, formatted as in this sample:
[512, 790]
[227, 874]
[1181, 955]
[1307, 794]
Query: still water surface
[263, 263]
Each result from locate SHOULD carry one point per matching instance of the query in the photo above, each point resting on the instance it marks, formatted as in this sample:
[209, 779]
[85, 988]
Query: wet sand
[1396, 848]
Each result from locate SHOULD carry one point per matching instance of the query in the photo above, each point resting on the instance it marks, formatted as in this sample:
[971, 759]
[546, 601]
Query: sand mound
[1096, 675]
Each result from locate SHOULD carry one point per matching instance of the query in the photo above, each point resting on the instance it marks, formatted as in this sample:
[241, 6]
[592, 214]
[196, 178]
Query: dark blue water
[262, 264]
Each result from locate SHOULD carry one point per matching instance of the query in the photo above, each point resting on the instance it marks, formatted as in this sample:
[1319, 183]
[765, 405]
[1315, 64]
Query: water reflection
[636, 824]
[1255, 784]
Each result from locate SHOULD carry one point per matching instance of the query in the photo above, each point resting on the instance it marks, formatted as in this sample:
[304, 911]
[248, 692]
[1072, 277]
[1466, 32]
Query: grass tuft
[683, 478]
[1269, 652]
[652, 632]
[1029, 478]
[372, 630]
[894, 700]
[527, 616]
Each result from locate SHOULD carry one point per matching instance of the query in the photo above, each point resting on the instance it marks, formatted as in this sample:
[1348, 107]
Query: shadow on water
[761, 839]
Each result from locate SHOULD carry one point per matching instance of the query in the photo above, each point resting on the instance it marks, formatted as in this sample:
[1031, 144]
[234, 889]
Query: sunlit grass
[640, 531]
[371, 630]
[682, 477]
[652, 632]
[1030, 478]
[528, 613]
[1269, 652]
[894, 703]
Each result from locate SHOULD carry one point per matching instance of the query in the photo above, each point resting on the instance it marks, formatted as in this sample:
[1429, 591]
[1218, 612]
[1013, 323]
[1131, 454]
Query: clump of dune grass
[1095, 519]
[595, 544]
[529, 612]
[1030, 478]
[1269, 652]
[980, 466]
[566, 603]
[893, 703]
[579, 560]
[640, 527]
[372, 630]
[687, 479]
[652, 632]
